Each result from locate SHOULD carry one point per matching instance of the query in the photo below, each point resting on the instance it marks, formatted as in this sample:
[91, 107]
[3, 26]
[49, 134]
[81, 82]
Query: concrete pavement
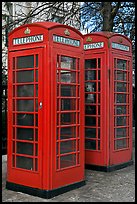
[116, 186]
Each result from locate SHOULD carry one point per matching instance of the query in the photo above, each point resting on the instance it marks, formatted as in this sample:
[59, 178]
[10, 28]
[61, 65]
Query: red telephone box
[45, 109]
[108, 101]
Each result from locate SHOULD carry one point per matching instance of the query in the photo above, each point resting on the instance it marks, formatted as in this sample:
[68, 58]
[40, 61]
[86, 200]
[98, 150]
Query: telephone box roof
[47, 25]
[108, 35]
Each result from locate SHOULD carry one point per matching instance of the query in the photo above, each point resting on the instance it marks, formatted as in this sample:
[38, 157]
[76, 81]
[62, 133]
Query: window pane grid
[67, 112]
[92, 103]
[25, 141]
[121, 104]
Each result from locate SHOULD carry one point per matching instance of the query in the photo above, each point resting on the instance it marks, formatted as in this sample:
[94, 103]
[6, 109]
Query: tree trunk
[107, 17]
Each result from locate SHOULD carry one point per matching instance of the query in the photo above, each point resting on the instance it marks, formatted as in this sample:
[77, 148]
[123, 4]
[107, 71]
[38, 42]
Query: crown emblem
[89, 39]
[27, 31]
[67, 32]
[120, 40]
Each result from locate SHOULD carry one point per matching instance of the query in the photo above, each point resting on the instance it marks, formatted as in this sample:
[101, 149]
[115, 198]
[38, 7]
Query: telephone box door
[95, 108]
[25, 117]
[69, 143]
[120, 109]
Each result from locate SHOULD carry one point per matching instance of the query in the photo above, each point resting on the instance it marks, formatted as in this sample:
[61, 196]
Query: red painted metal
[40, 153]
[108, 148]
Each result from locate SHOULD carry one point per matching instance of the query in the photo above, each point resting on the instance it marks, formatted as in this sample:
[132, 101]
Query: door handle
[40, 105]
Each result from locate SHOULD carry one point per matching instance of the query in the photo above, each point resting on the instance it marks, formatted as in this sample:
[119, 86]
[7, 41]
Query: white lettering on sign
[67, 41]
[29, 39]
[94, 45]
[120, 46]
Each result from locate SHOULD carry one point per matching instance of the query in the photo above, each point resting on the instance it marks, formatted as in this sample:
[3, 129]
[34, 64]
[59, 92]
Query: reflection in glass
[68, 62]
[121, 64]
[90, 75]
[67, 76]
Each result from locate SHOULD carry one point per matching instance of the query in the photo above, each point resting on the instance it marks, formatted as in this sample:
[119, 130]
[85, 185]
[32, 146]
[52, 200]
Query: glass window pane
[120, 120]
[120, 87]
[25, 119]
[120, 98]
[90, 98]
[68, 104]
[68, 118]
[25, 105]
[68, 90]
[24, 148]
[68, 160]
[67, 132]
[90, 121]
[25, 61]
[99, 62]
[119, 144]
[25, 91]
[121, 64]
[67, 146]
[120, 132]
[90, 132]
[24, 163]
[90, 86]
[90, 144]
[67, 76]
[90, 75]
[120, 110]
[25, 134]
[90, 63]
[120, 75]
[37, 61]
[68, 62]
[90, 109]
[36, 75]
[25, 76]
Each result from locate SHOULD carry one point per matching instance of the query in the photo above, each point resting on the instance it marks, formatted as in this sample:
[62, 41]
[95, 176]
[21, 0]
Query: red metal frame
[45, 151]
[99, 45]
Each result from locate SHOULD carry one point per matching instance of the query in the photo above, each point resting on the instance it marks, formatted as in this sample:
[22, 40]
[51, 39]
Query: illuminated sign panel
[67, 41]
[29, 39]
[120, 46]
[94, 45]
